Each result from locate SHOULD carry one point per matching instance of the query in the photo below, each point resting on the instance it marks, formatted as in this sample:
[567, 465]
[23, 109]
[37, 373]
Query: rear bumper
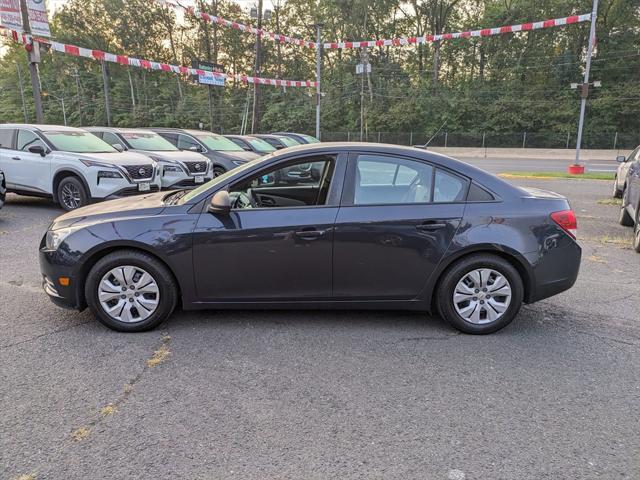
[554, 271]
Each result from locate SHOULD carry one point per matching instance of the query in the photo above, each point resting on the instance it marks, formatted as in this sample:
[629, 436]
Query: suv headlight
[54, 238]
[108, 174]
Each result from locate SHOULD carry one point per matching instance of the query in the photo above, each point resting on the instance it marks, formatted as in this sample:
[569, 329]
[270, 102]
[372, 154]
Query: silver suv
[71, 165]
[177, 168]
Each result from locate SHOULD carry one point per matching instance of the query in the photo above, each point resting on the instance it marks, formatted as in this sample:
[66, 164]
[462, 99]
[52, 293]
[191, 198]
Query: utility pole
[33, 54]
[318, 75]
[24, 105]
[585, 85]
[78, 96]
[255, 117]
[107, 102]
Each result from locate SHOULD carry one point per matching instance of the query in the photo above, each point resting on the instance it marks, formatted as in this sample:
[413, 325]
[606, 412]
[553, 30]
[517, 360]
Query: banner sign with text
[10, 14]
[38, 18]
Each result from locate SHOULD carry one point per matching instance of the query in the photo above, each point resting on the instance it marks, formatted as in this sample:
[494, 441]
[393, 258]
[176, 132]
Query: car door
[25, 170]
[633, 183]
[276, 250]
[6, 149]
[397, 218]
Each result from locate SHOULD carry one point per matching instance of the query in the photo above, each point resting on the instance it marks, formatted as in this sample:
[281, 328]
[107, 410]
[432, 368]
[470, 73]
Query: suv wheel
[217, 171]
[130, 291]
[625, 219]
[636, 232]
[72, 194]
[480, 294]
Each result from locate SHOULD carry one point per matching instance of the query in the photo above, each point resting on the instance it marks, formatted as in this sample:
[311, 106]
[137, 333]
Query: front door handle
[16, 158]
[310, 234]
[431, 226]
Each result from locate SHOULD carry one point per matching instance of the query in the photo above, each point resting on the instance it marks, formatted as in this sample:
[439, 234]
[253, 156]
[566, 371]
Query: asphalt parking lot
[269, 395]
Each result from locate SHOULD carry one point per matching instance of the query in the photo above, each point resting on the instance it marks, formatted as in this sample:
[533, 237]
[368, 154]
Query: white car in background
[620, 181]
[178, 168]
[71, 165]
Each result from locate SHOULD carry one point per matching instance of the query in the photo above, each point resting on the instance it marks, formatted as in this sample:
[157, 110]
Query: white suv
[71, 165]
[179, 169]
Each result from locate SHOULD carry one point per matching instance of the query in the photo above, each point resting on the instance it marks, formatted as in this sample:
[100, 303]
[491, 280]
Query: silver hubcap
[71, 196]
[128, 294]
[482, 296]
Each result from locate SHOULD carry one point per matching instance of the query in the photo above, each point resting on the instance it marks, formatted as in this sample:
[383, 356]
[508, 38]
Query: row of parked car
[627, 187]
[77, 166]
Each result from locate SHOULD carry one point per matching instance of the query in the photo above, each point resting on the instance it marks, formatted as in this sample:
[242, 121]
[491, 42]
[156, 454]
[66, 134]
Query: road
[315, 395]
[498, 165]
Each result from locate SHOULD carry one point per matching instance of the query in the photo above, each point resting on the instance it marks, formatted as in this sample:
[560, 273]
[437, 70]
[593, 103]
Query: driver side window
[301, 184]
[28, 139]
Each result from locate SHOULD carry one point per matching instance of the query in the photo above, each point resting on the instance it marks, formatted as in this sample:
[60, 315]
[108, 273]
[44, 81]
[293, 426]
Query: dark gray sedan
[340, 225]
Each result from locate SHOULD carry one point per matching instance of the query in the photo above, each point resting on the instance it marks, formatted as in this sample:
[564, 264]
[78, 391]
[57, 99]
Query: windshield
[219, 180]
[260, 145]
[219, 143]
[288, 142]
[309, 138]
[78, 142]
[148, 141]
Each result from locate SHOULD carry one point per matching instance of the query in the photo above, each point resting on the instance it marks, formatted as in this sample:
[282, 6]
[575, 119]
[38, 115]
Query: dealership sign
[10, 15]
[217, 80]
[38, 18]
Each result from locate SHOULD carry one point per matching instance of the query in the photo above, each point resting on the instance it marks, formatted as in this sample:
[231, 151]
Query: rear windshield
[148, 141]
[77, 142]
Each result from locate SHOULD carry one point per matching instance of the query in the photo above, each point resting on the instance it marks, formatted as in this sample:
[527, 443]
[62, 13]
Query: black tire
[218, 170]
[625, 219]
[167, 288]
[456, 272]
[3, 190]
[617, 193]
[636, 231]
[71, 194]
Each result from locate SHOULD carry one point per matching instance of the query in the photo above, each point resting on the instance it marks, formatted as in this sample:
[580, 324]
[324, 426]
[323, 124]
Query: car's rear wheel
[636, 232]
[72, 194]
[480, 294]
[625, 219]
[130, 291]
[217, 171]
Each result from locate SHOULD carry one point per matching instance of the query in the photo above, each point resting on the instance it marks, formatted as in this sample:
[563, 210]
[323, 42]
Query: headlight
[108, 174]
[55, 237]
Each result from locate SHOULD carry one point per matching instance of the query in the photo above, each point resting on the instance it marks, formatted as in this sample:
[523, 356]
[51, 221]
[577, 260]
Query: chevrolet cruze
[337, 225]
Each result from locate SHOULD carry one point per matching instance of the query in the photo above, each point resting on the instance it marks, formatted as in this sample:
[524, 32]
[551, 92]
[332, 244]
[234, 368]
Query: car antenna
[433, 136]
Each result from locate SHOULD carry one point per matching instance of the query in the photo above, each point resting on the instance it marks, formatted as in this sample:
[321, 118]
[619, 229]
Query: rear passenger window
[185, 143]
[390, 180]
[6, 138]
[448, 188]
[478, 194]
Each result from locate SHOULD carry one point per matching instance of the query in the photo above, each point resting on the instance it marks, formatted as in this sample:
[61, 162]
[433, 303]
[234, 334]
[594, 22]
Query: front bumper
[53, 265]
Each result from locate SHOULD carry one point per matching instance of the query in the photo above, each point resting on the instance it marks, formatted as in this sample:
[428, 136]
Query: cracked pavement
[255, 395]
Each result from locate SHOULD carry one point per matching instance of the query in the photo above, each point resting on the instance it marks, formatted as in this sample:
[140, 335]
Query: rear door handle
[16, 158]
[310, 234]
[431, 226]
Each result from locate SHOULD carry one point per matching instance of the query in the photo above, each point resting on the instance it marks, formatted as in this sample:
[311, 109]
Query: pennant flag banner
[214, 19]
[149, 64]
[485, 32]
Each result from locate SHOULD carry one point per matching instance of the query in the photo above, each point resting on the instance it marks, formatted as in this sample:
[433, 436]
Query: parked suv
[630, 209]
[620, 180]
[70, 165]
[223, 153]
[177, 168]
[3, 189]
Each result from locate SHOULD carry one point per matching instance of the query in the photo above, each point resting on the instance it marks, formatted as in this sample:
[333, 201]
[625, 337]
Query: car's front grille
[139, 172]
[197, 167]
[131, 191]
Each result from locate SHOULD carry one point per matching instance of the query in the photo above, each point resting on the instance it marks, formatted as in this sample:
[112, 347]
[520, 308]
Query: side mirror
[247, 148]
[118, 147]
[621, 159]
[196, 148]
[39, 149]
[220, 203]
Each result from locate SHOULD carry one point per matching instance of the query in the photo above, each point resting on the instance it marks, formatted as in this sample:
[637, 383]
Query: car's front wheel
[617, 193]
[130, 291]
[625, 219]
[480, 294]
[636, 232]
[72, 194]
[217, 171]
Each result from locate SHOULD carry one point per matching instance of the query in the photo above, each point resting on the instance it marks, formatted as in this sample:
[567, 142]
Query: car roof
[41, 128]
[119, 130]
[190, 131]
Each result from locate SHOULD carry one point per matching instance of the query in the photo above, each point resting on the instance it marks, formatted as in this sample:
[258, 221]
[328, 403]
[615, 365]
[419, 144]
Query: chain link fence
[590, 140]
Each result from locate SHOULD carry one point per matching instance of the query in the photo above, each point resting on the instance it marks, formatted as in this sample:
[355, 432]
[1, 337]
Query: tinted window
[171, 137]
[391, 180]
[111, 138]
[6, 138]
[28, 139]
[185, 143]
[478, 194]
[238, 142]
[448, 187]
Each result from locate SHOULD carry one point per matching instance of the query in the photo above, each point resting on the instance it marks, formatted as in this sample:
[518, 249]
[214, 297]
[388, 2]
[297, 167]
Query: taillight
[566, 220]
